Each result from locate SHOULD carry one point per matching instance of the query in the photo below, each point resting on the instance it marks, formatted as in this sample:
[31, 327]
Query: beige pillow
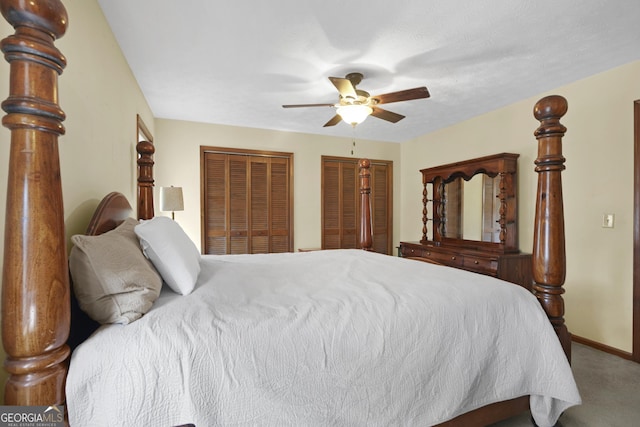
[112, 280]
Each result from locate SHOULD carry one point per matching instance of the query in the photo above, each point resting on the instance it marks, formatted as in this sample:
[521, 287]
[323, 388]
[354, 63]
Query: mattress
[339, 337]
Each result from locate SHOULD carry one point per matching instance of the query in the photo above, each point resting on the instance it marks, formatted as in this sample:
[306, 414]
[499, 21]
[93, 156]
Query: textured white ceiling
[238, 62]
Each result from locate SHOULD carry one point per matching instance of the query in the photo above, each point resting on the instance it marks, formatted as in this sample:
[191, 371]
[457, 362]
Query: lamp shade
[171, 199]
[354, 114]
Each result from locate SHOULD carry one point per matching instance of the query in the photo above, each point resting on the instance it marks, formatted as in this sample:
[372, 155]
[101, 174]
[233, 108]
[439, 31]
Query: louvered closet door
[380, 211]
[215, 206]
[238, 214]
[331, 211]
[247, 203]
[269, 205]
[280, 206]
[259, 205]
[341, 204]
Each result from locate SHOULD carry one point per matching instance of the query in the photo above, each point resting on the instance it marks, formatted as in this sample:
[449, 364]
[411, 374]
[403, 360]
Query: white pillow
[112, 280]
[171, 251]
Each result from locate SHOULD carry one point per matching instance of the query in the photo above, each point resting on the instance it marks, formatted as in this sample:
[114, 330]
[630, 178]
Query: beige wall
[178, 163]
[598, 179]
[101, 99]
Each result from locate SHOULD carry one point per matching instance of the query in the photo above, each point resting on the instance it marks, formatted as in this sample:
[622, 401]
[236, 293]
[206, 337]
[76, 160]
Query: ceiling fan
[355, 105]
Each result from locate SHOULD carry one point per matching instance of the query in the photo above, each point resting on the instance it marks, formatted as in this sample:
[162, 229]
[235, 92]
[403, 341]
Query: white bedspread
[341, 338]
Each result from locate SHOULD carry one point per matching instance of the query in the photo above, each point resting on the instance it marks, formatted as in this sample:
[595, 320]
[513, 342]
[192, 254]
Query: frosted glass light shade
[354, 114]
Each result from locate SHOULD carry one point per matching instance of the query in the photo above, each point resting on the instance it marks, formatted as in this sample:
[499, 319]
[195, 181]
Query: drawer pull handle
[476, 262]
[429, 253]
[453, 258]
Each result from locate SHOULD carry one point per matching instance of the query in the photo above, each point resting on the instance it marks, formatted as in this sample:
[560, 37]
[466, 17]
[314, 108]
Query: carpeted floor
[610, 390]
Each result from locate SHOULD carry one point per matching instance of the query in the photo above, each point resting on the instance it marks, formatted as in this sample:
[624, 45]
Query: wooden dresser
[470, 219]
[515, 268]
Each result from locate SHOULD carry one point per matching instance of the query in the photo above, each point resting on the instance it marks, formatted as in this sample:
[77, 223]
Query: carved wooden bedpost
[549, 260]
[145, 151]
[366, 240]
[35, 282]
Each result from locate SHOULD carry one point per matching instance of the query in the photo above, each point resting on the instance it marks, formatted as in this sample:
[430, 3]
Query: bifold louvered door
[341, 203]
[382, 206]
[340, 209]
[247, 205]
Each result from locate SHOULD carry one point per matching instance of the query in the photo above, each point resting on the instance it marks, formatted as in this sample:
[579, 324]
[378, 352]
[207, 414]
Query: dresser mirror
[472, 209]
[472, 202]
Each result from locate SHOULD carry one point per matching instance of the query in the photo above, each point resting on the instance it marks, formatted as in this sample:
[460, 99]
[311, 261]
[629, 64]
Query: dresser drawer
[481, 264]
[410, 251]
[446, 258]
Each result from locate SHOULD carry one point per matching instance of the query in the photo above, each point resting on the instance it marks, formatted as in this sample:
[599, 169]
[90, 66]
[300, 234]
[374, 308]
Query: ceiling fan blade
[345, 87]
[334, 121]
[386, 115]
[307, 105]
[403, 95]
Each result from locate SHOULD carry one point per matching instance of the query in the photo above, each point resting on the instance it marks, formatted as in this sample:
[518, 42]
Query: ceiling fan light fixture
[355, 105]
[354, 114]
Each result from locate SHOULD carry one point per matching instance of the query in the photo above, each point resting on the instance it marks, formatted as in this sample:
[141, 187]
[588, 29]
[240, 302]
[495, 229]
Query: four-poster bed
[35, 288]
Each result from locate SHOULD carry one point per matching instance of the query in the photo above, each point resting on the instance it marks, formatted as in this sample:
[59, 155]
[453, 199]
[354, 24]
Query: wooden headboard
[35, 281]
[112, 210]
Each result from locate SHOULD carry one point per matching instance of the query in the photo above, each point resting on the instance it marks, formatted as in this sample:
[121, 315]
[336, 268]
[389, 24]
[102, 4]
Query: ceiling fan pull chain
[353, 143]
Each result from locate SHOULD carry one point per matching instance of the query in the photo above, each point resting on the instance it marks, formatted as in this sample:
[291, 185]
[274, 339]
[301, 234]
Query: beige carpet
[610, 390]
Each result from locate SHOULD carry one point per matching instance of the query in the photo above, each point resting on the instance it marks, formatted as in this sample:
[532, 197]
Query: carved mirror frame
[503, 166]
